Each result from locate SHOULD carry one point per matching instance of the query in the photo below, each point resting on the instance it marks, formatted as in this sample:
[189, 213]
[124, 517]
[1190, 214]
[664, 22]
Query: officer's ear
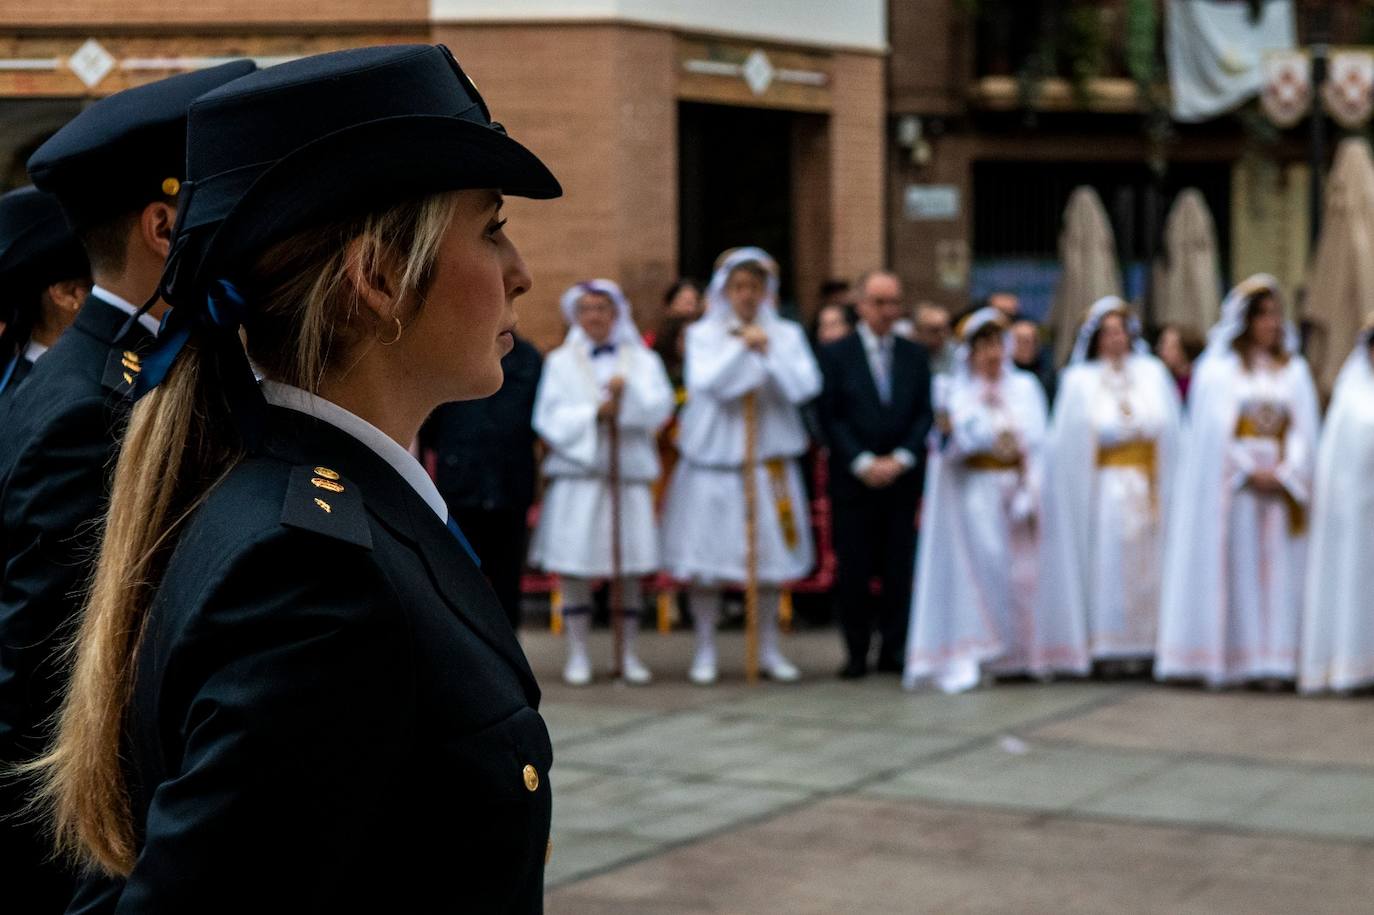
[68, 295]
[155, 225]
[374, 274]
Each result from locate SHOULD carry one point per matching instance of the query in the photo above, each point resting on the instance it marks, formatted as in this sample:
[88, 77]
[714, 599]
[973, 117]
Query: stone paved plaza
[828, 797]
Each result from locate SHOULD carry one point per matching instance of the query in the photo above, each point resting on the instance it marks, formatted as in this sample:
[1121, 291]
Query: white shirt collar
[401, 460]
[872, 342]
[147, 320]
[34, 350]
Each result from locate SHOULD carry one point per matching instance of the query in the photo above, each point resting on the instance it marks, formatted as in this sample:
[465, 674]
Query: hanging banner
[1286, 95]
[1348, 91]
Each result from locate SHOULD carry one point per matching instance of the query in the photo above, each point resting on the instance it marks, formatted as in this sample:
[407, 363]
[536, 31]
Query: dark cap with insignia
[332, 136]
[37, 246]
[326, 137]
[125, 150]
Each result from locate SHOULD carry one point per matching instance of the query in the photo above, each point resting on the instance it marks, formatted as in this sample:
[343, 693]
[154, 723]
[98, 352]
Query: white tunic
[973, 604]
[573, 536]
[1235, 558]
[1338, 619]
[1110, 458]
[704, 535]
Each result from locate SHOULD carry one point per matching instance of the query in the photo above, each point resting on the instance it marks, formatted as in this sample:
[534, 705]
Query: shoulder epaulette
[121, 370]
[319, 499]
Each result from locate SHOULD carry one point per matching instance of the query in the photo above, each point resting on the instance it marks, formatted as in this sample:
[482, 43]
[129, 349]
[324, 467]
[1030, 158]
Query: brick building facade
[677, 129]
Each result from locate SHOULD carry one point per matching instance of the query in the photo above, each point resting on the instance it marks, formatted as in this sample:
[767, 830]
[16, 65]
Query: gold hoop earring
[399, 330]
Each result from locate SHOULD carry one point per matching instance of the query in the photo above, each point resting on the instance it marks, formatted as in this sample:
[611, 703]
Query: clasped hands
[610, 407]
[1265, 481]
[882, 472]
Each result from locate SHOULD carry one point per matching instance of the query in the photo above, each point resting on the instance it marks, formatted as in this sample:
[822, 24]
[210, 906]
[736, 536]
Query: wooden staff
[616, 597]
[751, 545]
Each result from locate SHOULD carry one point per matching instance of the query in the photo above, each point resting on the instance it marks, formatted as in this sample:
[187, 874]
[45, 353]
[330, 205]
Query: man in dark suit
[116, 170]
[482, 457]
[875, 409]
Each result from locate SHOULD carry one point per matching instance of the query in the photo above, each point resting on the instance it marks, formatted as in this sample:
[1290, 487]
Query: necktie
[884, 377]
[457, 532]
[9, 373]
[603, 349]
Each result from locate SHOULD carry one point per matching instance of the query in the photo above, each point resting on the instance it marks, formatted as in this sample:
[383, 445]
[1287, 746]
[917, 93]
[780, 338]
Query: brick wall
[597, 104]
[67, 14]
[857, 137]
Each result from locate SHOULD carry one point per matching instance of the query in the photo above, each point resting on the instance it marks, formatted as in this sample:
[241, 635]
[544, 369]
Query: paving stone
[1325, 803]
[1041, 778]
[1194, 791]
[882, 856]
[1279, 728]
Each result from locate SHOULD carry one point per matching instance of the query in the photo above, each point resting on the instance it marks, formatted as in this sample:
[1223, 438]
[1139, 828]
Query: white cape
[575, 523]
[1338, 625]
[1233, 571]
[1102, 538]
[972, 605]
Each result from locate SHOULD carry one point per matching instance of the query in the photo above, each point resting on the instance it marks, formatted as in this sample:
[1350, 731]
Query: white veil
[624, 330]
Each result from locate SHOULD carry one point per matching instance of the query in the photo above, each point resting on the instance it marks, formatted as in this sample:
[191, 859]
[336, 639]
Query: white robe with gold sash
[1235, 558]
[704, 533]
[1338, 619]
[973, 605]
[1110, 459]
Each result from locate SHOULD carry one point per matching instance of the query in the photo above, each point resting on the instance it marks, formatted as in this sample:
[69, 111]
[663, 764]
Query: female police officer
[318, 702]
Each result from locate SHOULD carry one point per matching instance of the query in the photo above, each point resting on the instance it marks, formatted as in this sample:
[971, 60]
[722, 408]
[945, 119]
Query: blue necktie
[9, 373]
[884, 378]
[457, 532]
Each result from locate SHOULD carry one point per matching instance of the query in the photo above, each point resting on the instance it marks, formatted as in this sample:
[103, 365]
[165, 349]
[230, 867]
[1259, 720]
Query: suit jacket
[854, 417]
[485, 448]
[58, 444]
[331, 712]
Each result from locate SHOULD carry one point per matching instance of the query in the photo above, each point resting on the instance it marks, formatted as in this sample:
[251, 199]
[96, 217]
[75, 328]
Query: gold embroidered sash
[1139, 454]
[1248, 426]
[986, 460]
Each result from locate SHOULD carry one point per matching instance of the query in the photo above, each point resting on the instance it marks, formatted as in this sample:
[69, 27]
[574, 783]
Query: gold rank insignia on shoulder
[121, 369]
[320, 500]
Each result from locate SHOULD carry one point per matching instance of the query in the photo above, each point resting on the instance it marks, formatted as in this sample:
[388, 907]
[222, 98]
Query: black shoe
[854, 670]
[889, 665]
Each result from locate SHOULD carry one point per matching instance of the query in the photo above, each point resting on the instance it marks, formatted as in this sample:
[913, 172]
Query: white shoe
[780, 669]
[633, 672]
[703, 672]
[578, 671]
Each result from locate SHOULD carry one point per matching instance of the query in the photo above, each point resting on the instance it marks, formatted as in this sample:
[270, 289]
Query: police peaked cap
[126, 150]
[37, 246]
[332, 136]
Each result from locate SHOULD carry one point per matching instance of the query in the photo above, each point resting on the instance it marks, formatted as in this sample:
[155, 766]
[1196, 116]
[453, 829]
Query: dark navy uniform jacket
[331, 712]
[58, 441]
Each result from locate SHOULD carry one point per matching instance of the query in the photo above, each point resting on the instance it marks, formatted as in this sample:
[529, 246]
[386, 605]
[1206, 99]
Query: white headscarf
[1107, 305]
[623, 331]
[718, 306]
[1232, 324]
[969, 327]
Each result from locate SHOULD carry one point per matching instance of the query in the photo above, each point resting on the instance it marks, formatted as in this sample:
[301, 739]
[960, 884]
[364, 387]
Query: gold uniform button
[531, 778]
